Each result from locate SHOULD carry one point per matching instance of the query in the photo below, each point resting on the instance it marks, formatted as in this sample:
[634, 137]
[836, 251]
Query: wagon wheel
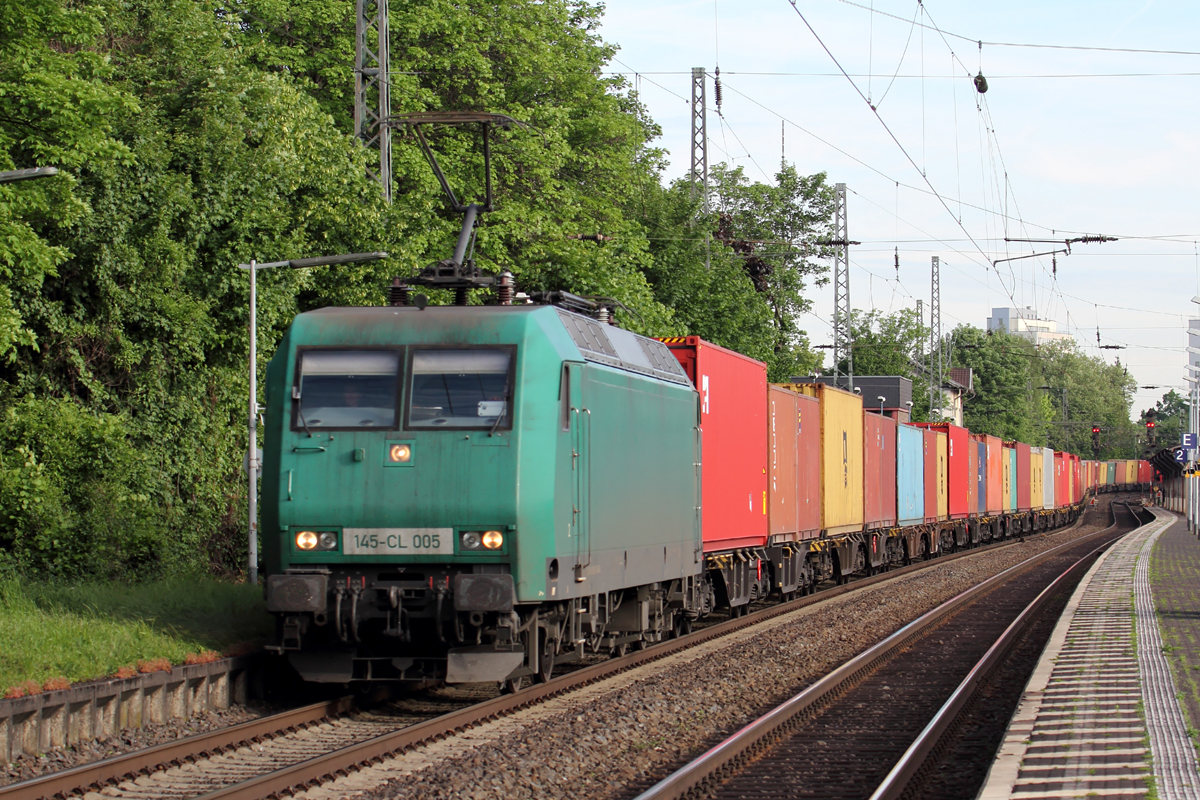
[619, 651]
[512, 685]
[545, 656]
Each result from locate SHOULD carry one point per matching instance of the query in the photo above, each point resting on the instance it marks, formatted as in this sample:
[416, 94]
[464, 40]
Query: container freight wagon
[910, 475]
[1037, 484]
[1061, 498]
[1009, 478]
[1049, 482]
[1023, 502]
[794, 457]
[841, 476]
[979, 446]
[958, 481]
[733, 450]
[930, 456]
[879, 471]
[794, 490]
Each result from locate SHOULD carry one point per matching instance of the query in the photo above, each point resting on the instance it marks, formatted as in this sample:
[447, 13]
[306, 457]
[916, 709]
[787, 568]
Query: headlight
[328, 540]
[306, 540]
[493, 540]
[400, 453]
[471, 540]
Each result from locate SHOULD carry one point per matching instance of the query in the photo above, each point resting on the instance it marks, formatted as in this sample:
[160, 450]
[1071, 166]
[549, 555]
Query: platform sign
[1180, 455]
[1189, 441]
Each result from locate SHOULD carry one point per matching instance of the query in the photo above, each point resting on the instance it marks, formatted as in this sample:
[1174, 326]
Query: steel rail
[914, 758]
[63, 783]
[99, 773]
[341, 762]
[747, 741]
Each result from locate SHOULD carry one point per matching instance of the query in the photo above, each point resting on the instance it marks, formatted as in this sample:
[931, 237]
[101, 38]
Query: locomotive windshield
[460, 389]
[347, 389]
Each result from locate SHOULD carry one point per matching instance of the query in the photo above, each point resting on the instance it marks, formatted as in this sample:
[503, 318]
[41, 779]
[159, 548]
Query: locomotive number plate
[397, 541]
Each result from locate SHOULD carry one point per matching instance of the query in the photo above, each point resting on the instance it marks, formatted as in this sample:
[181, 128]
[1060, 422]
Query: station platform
[1109, 710]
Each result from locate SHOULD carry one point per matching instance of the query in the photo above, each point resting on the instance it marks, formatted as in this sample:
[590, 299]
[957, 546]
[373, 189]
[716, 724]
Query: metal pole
[252, 452]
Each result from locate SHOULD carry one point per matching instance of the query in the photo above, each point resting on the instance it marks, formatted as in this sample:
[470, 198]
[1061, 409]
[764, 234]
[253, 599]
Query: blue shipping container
[1012, 456]
[910, 476]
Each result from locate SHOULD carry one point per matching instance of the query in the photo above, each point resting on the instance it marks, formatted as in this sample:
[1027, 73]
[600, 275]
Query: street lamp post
[14, 175]
[252, 463]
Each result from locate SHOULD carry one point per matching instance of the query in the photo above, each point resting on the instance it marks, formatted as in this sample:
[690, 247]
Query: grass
[52, 632]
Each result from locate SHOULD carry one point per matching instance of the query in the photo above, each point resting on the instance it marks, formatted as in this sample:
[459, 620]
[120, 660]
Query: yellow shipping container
[841, 456]
[1036, 464]
[943, 486]
[1131, 472]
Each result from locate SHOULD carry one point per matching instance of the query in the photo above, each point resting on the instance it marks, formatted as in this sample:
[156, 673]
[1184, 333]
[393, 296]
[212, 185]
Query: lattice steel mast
[372, 91]
[936, 362]
[842, 334]
[699, 171]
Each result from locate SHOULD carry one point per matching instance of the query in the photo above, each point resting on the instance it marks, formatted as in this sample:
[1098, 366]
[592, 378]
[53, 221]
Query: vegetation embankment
[55, 635]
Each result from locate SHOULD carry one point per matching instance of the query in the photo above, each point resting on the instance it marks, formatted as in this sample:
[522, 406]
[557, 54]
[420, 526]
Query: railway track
[878, 725]
[285, 752]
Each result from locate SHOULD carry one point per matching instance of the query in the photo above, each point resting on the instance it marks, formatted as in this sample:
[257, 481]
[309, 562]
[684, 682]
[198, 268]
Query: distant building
[1024, 322]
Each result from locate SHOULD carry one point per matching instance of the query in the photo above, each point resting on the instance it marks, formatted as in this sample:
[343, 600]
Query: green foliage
[776, 230]
[76, 498]
[194, 138]
[1006, 402]
[56, 109]
[87, 630]
[892, 344]
[1096, 393]
[1172, 416]
[1050, 395]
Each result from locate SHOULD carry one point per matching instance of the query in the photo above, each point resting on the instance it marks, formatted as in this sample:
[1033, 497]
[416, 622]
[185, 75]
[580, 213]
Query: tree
[777, 230]
[892, 344]
[1005, 402]
[1172, 415]
[1089, 392]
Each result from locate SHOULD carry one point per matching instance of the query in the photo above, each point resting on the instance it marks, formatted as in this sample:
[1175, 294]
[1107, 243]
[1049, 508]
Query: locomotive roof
[597, 342]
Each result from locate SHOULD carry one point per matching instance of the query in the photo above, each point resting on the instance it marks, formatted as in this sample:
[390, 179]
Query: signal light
[1095, 429]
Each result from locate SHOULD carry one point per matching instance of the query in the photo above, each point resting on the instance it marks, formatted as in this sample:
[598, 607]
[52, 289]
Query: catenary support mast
[699, 171]
[842, 334]
[372, 91]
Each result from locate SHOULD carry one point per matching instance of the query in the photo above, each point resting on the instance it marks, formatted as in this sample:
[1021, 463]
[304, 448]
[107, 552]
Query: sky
[1074, 136]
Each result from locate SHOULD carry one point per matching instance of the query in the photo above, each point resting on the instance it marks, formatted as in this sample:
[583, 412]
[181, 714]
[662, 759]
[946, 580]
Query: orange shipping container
[794, 463]
[995, 474]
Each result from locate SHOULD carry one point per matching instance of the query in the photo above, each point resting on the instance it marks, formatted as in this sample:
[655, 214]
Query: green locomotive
[471, 493]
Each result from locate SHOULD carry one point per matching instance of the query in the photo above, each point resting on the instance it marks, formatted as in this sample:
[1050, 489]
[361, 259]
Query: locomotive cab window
[461, 389]
[346, 389]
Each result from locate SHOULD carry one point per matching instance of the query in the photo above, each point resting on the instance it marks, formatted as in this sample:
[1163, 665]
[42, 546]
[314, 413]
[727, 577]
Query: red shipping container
[733, 422]
[794, 456]
[959, 471]
[1145, 472]
[995, 474]
[879, 470]
[1024, 495]
[972, 471]
[1060, 480]
[1077, 486]
[931, 475]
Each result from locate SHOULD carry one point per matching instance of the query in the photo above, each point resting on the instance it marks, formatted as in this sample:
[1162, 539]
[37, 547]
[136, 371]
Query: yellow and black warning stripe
[672, 339]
